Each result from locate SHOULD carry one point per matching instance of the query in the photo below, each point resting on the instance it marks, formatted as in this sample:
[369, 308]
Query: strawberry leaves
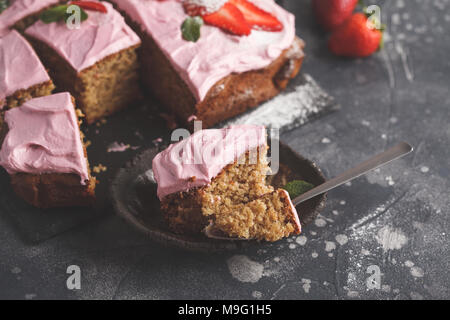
[59, 13]
[4, 4]
[190, 29]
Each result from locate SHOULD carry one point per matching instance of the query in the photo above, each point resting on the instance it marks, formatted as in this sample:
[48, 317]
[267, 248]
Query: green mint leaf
[3, 5]
[54, 14]
[297, 187]
[190, 28]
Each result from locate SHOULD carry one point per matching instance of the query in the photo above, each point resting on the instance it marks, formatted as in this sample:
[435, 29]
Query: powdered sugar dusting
[244, 269]
[391, 239]
[290, 109]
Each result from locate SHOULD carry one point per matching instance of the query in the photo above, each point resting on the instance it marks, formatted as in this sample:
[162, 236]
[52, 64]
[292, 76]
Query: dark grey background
[396, 219]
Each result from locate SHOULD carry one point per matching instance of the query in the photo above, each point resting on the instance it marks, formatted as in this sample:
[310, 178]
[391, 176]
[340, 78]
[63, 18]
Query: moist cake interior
[237, 202]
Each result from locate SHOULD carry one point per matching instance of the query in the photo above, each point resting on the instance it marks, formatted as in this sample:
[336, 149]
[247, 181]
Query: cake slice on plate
[97, 62]
[218, 177]
[23, 77]
[44, 154]
[213, 59]
[19, 14]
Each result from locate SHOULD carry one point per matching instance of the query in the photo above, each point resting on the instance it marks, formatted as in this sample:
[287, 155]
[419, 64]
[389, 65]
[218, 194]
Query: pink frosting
[20, 67]
[44, 137]
[216, 54]
[19, 9]
[101, 35]
[195, 161]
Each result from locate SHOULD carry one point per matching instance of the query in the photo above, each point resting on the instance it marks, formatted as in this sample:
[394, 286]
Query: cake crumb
[99, 168]
[79, 113]
[87, 143]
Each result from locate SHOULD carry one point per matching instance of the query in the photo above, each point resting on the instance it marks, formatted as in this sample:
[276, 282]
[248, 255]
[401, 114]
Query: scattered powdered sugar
[306, 285]
[320, 222]
[301, 240]
[245, 270]
[409, 264]
[256, 294]
[341, 239]
[424, 169]
[391, 239]
[390, 180]
[314, 254]
[289, 109]
[417, 272]
[326, 140]
[329, 246]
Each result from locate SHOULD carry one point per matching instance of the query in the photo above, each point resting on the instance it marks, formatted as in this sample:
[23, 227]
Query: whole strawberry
[332, 13]
[355, 38]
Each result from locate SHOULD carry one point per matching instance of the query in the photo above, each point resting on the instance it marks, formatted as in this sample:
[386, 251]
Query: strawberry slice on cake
[236, 16]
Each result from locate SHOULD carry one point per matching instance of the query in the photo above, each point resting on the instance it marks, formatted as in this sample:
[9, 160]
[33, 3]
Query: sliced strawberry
[256, 17]
[193, 10]
[230, 19]
[90, 5]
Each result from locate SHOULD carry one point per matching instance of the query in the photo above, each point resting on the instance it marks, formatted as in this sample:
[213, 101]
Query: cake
[22, 76]
[44, 154]
[19, 14]
[221, 74]
[97, 63]
[218, 177]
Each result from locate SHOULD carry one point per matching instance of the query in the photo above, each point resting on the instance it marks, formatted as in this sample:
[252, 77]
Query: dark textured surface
[396, 218]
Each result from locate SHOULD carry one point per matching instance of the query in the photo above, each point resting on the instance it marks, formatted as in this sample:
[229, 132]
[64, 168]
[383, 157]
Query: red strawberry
[193, 9]
[256, 17]
[230, 19]
[90, 5]
[354, 38]
[332, 13]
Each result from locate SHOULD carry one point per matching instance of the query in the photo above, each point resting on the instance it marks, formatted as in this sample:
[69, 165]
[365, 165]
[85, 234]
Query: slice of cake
[97, 63]
[22, 76]
[43, 152]
[20, 14]
[218, 176]
[207, 71]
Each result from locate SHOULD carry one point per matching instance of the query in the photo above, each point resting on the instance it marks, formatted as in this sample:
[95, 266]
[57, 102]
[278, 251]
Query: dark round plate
[134, 198]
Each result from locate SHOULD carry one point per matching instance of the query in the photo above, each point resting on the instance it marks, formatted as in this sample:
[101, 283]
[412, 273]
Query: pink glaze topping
[20, 67]
[101, 35]
[196, 160]
[44, 137]
[216, 54]
[20, 9]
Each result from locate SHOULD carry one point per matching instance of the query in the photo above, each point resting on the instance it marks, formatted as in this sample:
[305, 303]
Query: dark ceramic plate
[134, 199]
